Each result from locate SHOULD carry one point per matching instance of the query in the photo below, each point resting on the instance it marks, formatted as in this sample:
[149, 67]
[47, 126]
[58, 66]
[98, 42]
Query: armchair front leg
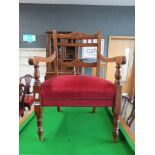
[38, 112]
[119, 60]
[37, 106]
[117, 103]
[36, 88]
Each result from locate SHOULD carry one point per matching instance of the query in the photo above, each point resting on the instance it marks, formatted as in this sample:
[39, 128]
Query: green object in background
[74, 131]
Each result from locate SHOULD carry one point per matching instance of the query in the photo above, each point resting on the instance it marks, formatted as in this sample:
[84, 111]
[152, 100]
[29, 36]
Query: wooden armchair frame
[120, 60]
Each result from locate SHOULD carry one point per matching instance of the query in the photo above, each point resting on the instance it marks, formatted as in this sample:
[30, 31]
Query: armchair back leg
[94, 110]
[58, 108]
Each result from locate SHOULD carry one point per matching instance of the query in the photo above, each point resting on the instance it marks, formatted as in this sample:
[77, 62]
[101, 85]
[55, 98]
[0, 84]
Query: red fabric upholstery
[28, 100]
[77, 90]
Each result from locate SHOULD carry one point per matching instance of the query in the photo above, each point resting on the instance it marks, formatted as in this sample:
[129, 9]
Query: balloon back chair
[22, 90]
[28, 99]
[77, 90]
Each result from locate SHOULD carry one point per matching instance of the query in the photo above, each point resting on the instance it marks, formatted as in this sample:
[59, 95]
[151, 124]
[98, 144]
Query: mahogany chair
[29, 99]
[77, 90]
[128, 116]
[22, 90]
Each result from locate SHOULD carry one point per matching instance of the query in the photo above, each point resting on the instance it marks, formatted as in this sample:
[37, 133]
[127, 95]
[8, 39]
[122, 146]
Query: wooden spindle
[74, 70]
[36, 74]
[118, 74]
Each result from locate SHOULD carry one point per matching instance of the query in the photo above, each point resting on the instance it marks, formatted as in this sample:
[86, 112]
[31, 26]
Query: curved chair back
[27, 79]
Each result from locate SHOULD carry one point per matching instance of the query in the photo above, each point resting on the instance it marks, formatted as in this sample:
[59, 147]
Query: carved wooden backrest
[22, 90]
[76, 39]
[27, 79]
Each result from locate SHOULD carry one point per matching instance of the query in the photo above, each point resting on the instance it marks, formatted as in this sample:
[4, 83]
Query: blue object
[29, 38]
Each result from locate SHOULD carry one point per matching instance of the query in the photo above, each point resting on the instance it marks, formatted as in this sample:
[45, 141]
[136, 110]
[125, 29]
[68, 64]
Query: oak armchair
[77, 90]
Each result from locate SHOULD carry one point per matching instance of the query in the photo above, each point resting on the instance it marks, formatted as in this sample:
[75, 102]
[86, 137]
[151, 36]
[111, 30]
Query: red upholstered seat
[71, 90]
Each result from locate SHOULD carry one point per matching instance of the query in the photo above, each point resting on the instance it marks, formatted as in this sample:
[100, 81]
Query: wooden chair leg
[38, 112]
[58, 108]
[115, 132]
[117, 103]
[116, 111]
[94, 110]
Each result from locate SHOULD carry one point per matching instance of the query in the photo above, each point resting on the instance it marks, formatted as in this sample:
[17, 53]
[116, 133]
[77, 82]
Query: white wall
[24, 67]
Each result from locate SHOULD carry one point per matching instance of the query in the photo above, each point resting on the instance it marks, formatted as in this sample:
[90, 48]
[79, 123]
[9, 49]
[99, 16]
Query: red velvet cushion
[28, 99]
[71, 90]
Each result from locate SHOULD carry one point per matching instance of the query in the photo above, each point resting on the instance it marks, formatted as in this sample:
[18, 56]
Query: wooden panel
[117, 46]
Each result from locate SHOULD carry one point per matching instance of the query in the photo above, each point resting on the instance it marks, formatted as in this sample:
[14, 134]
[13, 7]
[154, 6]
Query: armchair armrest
[36, 59]
[119, 59]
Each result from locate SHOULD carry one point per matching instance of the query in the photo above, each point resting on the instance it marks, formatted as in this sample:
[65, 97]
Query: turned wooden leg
[116, 111]
[115, 132]
[94, 110]
[117, 103]
[38, 112]
[58, 108]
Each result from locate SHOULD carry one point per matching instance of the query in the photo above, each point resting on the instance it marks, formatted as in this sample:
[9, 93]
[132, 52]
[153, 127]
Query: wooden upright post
[37, 106]
[117, 103]
[36, 75]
